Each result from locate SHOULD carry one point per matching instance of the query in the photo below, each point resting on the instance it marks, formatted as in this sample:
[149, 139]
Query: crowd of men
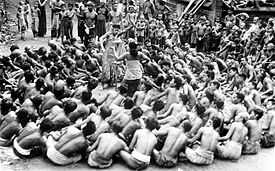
[188, 90]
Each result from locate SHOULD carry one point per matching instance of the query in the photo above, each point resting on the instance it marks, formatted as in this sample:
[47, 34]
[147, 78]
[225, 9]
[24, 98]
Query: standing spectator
[56, 8]
[148, 9]
[28, 12]
[102, 17]
[35, 13]
[74, 32]
[90, 18]
[42, 20]
[115, 17]
[21, 22]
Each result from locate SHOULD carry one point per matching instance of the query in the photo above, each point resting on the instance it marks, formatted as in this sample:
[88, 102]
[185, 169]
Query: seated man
[29, 142]
[175, 114]
[32, 105]
[70, 144]
[174, 143]
[128, 104]
[252, 144]
[82, 110]
[268, 139]
[59, 116]
[114, 97]
[133, 124]
[204, 154]
[142, 144]
[10, 126]
[105, 147]
[100, 122]
[236, 135]
[142, 96]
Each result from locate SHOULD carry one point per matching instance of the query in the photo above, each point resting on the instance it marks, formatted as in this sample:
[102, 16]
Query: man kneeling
[70, 145]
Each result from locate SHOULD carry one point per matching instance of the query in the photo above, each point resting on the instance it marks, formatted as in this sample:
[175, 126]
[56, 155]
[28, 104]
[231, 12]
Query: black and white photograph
[157, 85]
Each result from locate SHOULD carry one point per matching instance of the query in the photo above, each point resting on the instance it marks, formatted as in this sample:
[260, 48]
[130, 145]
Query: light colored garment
[75, 27]
[97, 160]
[231, 150]
[199, 156]
[251, 147]
[133, 70]
[141, 157]
[20, 150]
[60, 159]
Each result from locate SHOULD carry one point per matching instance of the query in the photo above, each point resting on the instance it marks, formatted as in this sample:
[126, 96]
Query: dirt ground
[264, 161]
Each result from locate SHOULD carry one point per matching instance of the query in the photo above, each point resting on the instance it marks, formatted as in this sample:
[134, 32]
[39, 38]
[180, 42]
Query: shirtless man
[114, 97]
[175, 141]
[269, 124]
[100, 122]
[32, 105]
[204, 154]
[187, 89]
[200, 33]
[153, 111]
[128, 104]
[252, 144]
[29, 142]
[142, 147]
[51, 99]
[143, 97]
[91, 85]
[236, 107]
[172, 93]
[236, 135]
[133, 124]
[70, 144]
[176, 112]
[34, 89]
[82, 109]
[115, 16]
[9, 124]
[105, 147]
[59, 116]
[209, 110]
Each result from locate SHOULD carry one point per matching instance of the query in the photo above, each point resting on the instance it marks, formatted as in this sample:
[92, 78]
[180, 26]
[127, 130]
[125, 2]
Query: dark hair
[23, 116]
[187, 77]
[39, 83]
[92, 84]
[200, 109]
[151, 123]
[70, 80]
[122, 89]
[14, 47]
[259, 113]
[210, 74]
[89, 129]
[105, 112]
[178, 82]
[243, 75]
[210, 95]
[69, 106]
[46, 125]
[6, 106]
[219, 104]
[117, 127]
[58, 92]
[158, 105]
[136, 112]
[216, 122]
[133, 49]
[86, 96]
[233, 69]
[186, 125]
[184, 98]
[37, 100]
[128, 103]
[216, 83]
[29, 76]
[148, 86]
[240, 96]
